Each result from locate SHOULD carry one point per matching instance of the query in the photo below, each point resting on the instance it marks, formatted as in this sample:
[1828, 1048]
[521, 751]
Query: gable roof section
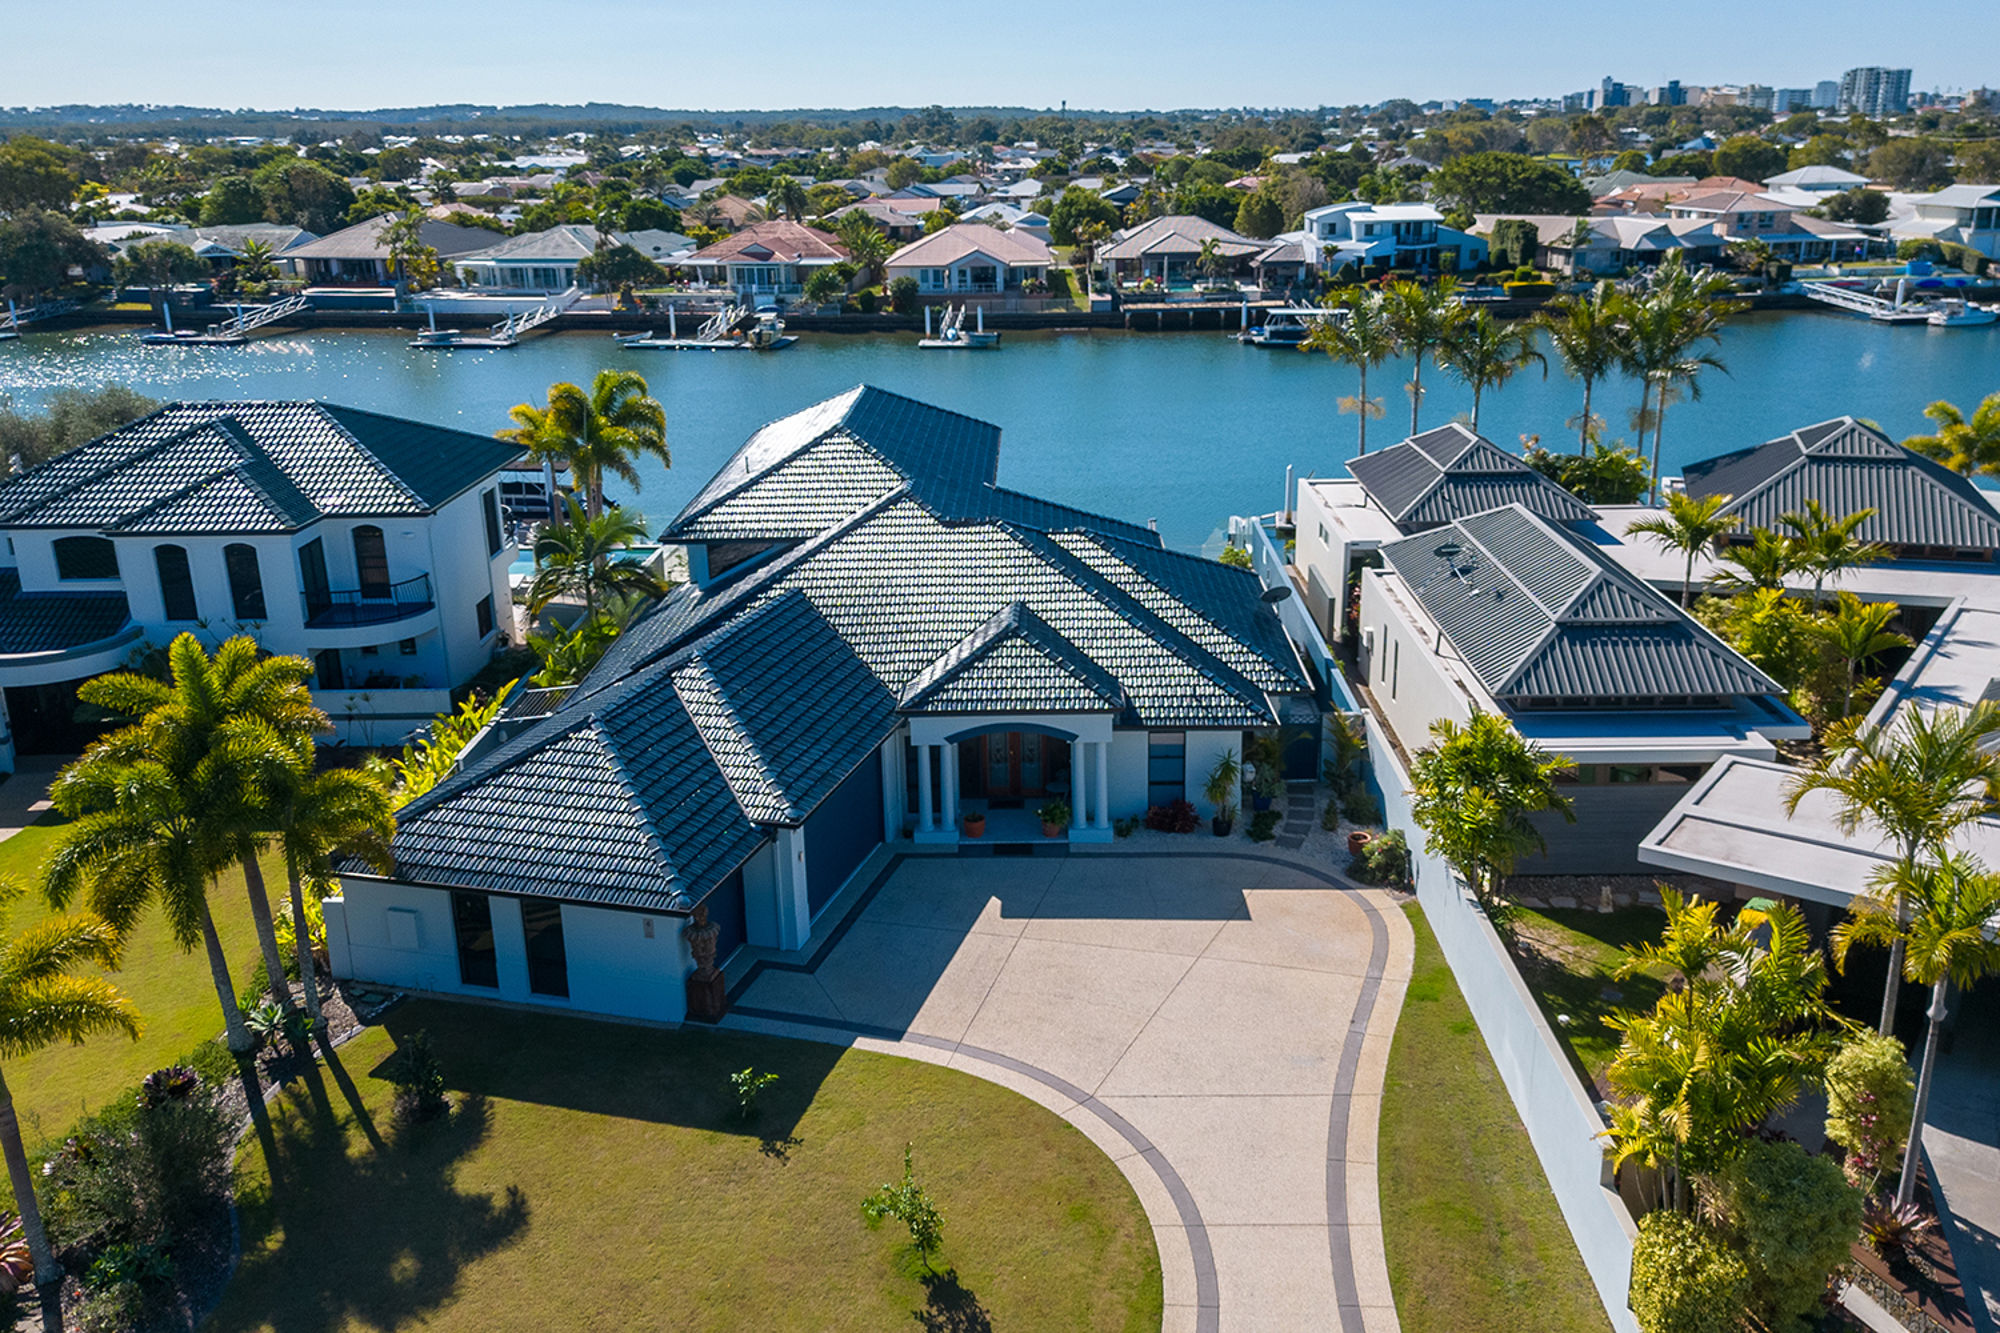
[1541, 618]
[783, 241]
[1179, 234]
[1450, 472]
[965, 239]
[1014, 662]
[1848, 466]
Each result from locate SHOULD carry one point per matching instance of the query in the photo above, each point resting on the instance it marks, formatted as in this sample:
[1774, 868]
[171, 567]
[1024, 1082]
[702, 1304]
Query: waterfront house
[1782, 224]
[547, 261]
[1609, 246]
[1405, 236]
[971, 258]
[1966, 215]
[877, 641]
[375, 546]
[1167, 249]
[766, 260]
[359, 255]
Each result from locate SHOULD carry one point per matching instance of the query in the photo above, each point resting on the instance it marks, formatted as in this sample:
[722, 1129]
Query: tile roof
[1541, 618]
[965, 239]
[364, 240]
[228, 467]
[1178, 235]
[1013, 663]
[1430, 479]
[784, 242]
[1848, 466]
[54, 622]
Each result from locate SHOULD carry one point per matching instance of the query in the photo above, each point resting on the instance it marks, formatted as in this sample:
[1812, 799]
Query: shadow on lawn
[951, 1307]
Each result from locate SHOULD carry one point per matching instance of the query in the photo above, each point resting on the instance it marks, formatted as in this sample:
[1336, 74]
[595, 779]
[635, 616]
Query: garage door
[842, 832]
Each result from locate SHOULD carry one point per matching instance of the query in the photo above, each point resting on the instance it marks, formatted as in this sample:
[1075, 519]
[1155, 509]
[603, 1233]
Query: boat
[1286, 326]
[444, 340]
[734, 328]
[1954, 312]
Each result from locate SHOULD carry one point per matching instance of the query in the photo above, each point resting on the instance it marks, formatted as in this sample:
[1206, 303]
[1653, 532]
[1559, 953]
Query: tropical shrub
[1362, 807]
[1869, 1101]
[903, 296]
[1792, 1216]
[1174, 817]
[1684, 1280]
[1607, 474]
[1385, 861]
[1329, 818]
[748, 1085]
[418, 1080]
[1264, 825]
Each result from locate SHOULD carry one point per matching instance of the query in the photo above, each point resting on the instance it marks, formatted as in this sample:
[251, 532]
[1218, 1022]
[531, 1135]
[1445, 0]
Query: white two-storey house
[376, 547]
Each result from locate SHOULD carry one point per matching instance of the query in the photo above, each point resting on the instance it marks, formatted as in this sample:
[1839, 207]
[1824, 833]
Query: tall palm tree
[1483, 351]
[1361, 337]
[1586, 332]
[787, 198]
[316, 814]
[1210, 259]
[1663, 336]
[1765, 563]
[1858, 631]
[866, 245]
[1689, 526]
[1938, 913]
[1917, 783]
[578, 558]
[602, 431]
[257, 262]
[1961, 445]
[1422, 319]
[42, 1002]
[1825, 546]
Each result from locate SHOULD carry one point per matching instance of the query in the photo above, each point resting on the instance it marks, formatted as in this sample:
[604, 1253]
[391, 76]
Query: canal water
[1184, 428]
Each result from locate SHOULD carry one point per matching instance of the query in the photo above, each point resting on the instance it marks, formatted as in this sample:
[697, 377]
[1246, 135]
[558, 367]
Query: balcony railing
[336, 607]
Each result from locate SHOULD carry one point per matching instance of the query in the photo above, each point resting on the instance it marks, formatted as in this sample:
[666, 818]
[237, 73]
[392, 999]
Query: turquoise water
[1183, 428]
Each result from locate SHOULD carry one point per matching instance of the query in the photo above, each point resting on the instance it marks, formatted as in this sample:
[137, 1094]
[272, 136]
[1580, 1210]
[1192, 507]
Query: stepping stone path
[1300, 811]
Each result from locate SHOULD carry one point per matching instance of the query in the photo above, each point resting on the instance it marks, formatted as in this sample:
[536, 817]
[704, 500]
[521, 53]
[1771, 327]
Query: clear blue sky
[1114, 54]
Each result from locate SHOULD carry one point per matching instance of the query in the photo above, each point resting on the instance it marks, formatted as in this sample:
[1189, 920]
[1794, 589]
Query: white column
[1104, 784]
[1079, 757]
[924, 821]
[948, 777]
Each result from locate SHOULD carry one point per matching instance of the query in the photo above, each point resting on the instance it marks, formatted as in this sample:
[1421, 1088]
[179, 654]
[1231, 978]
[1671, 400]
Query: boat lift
[506, 333]
[734, 328]
[15, 319]
[1898, 311]
[951, 331]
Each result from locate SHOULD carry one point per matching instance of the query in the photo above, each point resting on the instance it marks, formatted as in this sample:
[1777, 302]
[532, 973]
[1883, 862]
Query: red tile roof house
[1745, 216]
[766, 260]
[972, 258]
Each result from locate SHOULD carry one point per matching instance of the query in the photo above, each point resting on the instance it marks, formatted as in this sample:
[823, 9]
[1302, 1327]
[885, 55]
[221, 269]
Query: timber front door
[1013, 765]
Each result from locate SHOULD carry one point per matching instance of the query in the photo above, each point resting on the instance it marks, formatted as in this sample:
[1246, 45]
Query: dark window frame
[482, 614]
[371, 562]
[177, 594]
[489, 502]
[83, 557]
[547, 952]
[1166, 748]
[246, 595]
[472, 932]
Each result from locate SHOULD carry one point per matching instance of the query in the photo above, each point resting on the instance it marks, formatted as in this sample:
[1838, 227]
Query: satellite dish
[1272, 596]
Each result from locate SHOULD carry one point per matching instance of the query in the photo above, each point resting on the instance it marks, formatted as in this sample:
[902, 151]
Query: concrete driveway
[1219, 1024]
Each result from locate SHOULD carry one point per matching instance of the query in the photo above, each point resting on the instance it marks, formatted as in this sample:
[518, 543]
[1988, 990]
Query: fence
[1560, 1116]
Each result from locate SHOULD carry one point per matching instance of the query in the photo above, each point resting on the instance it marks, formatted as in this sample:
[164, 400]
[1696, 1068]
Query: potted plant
[975, 823]
[1054, 816]
[1225, 783]
[1267, 756]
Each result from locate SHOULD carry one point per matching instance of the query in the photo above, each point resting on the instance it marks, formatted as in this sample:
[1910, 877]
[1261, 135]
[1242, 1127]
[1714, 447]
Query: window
[327, 668]
[1577, 775]
[472, 922]
[484, 614]
[246, 581]
[1679, 773]
[408, 647]
[312, 579]
[1628, 772]
[86, 558]
[1166, 767]
[548, 968]
[176, 582]
[490, 502]
[371, 561]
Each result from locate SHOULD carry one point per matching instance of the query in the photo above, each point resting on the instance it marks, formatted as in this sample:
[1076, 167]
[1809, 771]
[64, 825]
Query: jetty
[15, 319]
[734, 328]
[951, 332]
[506, 333]
[1882, 311]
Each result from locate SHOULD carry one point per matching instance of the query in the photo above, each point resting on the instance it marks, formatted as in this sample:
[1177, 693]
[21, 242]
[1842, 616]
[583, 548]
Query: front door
[1016, 764]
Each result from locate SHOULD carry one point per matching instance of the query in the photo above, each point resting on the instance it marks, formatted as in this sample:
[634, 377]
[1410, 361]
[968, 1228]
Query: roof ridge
[319, 407]
[297, 507]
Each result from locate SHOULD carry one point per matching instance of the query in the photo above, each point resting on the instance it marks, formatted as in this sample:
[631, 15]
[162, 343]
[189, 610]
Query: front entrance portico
[966, 763]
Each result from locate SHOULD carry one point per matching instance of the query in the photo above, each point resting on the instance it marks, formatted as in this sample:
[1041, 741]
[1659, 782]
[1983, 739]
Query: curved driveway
[1218, 1023]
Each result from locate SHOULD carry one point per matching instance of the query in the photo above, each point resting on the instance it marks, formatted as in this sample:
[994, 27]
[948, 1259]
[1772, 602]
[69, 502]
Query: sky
[1100, 54]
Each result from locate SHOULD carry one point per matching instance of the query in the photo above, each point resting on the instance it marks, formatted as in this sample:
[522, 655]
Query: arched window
[176, 582]
[86, 558]
[371, 561]
[246, 581]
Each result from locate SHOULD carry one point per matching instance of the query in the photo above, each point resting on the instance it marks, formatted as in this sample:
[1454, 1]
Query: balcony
[341, 608]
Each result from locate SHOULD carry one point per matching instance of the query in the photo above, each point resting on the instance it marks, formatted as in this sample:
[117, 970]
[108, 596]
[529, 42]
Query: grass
[171, 990]
[596, 1176]
[1568, 958]
[1473, 1235]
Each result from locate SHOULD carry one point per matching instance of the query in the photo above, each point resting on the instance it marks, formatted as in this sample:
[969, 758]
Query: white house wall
[1204, 750]
[1410, 687]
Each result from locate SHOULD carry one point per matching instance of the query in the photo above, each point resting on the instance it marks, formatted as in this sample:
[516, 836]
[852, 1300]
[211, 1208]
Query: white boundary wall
[1560, 1116]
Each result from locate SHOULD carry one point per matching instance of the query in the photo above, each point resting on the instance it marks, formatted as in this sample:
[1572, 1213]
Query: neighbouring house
[766, 260]
[1613, 244]
[893, 222]
[1283, 266]
[546, 261]
[877, 641]
[359, 256]
[1411, 236]
[1966, 215]
[1611, 182]
[1743, 216]
[971, 258]
[375, 546]
[1012, 216]
[1816, 180]
[1168, 249]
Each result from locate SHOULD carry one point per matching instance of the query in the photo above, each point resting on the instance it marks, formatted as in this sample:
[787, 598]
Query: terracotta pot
[1051, 830]
[1357, 842]
[975, 826]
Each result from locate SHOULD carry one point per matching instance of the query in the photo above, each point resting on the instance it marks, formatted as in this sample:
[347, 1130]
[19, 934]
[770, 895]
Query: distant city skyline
[1115, 55]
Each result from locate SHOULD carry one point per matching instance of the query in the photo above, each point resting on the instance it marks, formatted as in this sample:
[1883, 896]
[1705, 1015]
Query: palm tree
[1483, 352]
[1422, 319]
[1210, 259]
[866, 245]
[1362, 338]
[1826, 547]
[42, 1002]
[1689, 526]
[1765, 563]
[1917, 783]
[1961, 445]
[1586, 333]
[316, 814]
[577, 558]
[1937, 913]
[1662, 333]
[787, 198]
[599, 432]
[1857, 631]
[257, 262]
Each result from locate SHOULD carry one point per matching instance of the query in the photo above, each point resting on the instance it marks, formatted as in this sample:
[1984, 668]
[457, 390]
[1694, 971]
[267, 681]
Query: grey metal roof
[1848, 466]
[52, 622]
[1447, 473]
[1541, 618]
[247, 467]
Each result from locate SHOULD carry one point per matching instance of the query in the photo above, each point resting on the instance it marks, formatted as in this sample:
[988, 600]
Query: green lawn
[171, 989]
[598, 1179]
[1568, 958]
[1474, 1238]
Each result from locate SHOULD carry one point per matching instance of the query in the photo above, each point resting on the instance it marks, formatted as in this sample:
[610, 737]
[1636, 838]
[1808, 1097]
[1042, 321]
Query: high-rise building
[1875, 91]
[1784, 101]
[1669, 93]
[1609, 93]
[1826, 94]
